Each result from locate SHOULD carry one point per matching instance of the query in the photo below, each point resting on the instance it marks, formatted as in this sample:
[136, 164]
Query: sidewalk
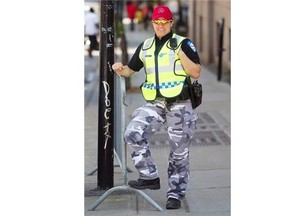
[208, 192]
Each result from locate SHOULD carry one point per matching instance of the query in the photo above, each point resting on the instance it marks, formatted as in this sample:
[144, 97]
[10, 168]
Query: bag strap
[191, 92]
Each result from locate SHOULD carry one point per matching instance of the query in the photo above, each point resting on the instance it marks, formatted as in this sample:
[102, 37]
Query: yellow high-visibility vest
[163, 71]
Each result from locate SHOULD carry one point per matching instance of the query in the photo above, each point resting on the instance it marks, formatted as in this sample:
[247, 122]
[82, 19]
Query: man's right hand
[117, 67]
[122, 70]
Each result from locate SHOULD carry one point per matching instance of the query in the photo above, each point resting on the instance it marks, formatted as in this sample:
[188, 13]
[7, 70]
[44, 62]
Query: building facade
[205, 18]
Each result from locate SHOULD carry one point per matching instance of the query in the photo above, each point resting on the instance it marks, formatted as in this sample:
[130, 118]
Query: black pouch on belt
[195, 92]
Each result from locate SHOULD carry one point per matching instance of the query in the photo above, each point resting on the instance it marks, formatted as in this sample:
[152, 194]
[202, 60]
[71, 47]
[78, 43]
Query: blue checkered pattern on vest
[162, 85]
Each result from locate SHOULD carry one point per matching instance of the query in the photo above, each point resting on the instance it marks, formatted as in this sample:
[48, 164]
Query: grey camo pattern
[146, 120]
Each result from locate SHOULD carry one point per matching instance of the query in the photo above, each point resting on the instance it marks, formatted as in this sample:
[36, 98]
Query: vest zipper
[156, 73]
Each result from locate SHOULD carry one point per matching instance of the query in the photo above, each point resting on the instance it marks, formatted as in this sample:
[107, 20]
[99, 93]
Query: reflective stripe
[164, 69]
[148, 43]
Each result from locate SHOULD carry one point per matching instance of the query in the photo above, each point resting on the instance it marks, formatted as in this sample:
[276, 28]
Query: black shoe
[145, 184]
[173, 203]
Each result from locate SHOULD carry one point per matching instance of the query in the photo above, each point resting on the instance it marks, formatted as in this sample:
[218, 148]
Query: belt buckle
[161, 100]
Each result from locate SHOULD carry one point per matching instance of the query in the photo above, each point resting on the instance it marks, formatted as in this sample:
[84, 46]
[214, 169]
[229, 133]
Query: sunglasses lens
[161, 21]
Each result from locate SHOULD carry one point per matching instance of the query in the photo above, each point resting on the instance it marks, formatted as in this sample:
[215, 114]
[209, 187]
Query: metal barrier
[120, 148]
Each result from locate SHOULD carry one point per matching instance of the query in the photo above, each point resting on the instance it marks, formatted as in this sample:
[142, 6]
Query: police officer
[169, 60]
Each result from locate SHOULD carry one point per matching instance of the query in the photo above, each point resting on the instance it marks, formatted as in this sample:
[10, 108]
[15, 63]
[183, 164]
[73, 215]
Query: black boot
[142, 184]
[173, 203]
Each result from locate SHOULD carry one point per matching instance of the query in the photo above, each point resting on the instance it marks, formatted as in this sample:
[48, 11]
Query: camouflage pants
[146, 120]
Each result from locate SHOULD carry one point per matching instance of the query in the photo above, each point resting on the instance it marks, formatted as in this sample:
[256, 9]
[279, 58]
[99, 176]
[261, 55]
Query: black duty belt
[181, 97]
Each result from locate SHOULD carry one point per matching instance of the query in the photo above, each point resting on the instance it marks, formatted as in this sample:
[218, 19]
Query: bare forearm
[191, 68]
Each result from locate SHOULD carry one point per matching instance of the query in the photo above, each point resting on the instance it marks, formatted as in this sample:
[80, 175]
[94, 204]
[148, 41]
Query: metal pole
[220, 50]
[194, 21]
[106, 100]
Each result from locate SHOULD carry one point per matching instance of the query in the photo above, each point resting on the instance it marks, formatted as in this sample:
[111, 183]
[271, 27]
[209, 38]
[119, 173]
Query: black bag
[195, 92]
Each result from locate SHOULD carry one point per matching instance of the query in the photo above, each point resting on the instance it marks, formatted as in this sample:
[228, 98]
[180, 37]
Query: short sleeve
[135, 62]
[190, 50]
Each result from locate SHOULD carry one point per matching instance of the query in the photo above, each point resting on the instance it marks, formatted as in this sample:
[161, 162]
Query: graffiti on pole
[107, 113]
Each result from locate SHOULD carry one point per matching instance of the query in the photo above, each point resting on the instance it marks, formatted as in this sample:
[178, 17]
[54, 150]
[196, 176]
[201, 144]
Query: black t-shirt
[187, 46]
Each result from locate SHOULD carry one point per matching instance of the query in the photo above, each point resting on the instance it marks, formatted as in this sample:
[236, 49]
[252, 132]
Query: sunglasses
[157, 22]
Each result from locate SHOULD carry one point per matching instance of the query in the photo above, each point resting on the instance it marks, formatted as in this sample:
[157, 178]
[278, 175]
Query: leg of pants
[132, 24]
[94, 45]
[181, 121]
[145, 122]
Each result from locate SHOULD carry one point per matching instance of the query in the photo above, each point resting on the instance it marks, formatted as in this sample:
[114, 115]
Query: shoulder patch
[191, 45]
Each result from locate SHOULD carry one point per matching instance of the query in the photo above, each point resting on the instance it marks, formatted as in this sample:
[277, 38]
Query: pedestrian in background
[131, 9]
[145, 9]
[91, 30]
[169, 60]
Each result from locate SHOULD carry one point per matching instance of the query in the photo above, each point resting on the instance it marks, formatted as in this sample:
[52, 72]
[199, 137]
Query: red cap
[162, 12]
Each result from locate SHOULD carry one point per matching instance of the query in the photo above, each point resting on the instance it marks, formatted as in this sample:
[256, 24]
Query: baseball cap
[162, 12]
